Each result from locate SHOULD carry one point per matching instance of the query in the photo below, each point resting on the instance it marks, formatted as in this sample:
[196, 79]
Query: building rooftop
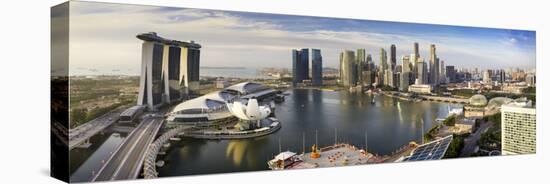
[216, 100]
[153, 37]
[284, 155]
[520, 102]
[245, 88]
[206, 102]
[434, 150]
[498, 101]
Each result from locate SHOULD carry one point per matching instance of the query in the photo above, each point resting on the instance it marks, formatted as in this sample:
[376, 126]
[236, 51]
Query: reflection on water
[240, 151]
[100, 151]
[389, 124]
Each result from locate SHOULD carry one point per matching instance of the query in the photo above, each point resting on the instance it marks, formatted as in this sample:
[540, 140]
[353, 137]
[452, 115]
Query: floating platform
[330, 156]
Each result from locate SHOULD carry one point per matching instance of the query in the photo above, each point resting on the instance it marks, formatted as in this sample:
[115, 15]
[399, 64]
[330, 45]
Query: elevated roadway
[126, 161]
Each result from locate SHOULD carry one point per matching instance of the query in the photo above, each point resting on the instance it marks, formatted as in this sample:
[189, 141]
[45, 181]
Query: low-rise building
[420, 88]
[220, 84]
[465, 125]
[131, 114]
[476, 107]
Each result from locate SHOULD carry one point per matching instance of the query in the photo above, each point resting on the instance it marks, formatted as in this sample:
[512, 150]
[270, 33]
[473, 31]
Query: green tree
[78, 116]
[455, 147]
[532, 90]
[450, 121]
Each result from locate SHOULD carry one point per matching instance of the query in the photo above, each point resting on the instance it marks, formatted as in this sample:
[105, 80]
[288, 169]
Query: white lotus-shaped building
[249, 112]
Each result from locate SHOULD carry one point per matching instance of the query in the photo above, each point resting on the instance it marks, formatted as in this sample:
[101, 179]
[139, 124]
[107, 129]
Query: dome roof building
[497, 102]
[478, 100]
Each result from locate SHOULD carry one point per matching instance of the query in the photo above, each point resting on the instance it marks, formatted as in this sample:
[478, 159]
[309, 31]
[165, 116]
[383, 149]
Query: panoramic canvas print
[147, 91]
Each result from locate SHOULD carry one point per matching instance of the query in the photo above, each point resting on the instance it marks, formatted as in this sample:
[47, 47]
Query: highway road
[126, 162]
[82, 133]
[470, 143]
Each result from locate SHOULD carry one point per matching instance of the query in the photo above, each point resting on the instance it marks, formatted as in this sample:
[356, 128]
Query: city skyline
[258, 40]
[376, 92]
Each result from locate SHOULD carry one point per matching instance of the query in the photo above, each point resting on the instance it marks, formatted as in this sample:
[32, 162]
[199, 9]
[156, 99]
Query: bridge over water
[80, 135]
[446, 99]
[126, 161]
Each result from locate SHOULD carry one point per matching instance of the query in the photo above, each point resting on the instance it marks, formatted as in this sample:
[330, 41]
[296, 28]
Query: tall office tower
[404, 82]
[383, 66]
[398, 68]
[383, 59]
[393, 57]
[442, 75]
[169, 70]
[422, 72]
[347, 59]
[501, 75]
[518, 127]
[406, 66]
[316, 67]
[368, 74]
[434, 66]
[413, 60]
[300, 65]
[487, 77]
[368, 78]
[360, 62]
[388, 78]
[369, 59]
[416, 51]
[450, 74]
[414, 57]
[396, 77]
[531, 79]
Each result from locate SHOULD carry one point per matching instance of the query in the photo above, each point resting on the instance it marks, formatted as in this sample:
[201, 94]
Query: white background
[25, 69]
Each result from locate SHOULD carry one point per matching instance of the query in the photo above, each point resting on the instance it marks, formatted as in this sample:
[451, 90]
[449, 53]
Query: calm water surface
[86, 161]
[385, 125]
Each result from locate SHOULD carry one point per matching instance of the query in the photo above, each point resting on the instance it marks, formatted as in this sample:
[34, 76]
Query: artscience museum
[215, 107]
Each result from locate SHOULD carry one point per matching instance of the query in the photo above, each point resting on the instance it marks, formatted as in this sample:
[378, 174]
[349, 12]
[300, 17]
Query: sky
[102, 38]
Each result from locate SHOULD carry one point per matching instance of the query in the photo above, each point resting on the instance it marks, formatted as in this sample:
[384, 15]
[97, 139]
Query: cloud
[103, 36]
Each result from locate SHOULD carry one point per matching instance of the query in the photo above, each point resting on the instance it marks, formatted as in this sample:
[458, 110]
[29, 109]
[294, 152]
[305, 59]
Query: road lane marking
[130, 151]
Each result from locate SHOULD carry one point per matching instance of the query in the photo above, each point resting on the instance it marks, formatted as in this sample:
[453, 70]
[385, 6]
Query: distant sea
[233, 72]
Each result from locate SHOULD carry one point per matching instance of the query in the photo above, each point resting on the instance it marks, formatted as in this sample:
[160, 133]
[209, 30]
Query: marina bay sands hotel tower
[169, 70]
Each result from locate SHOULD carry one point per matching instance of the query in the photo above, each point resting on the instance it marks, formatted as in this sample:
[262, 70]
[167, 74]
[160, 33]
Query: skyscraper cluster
[358, 69]
[169, 70]
[301, 70]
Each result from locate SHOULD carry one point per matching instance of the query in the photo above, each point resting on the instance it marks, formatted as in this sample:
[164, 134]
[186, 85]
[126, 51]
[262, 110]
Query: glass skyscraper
[316, 67]
[347, 61]
[300, 65]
